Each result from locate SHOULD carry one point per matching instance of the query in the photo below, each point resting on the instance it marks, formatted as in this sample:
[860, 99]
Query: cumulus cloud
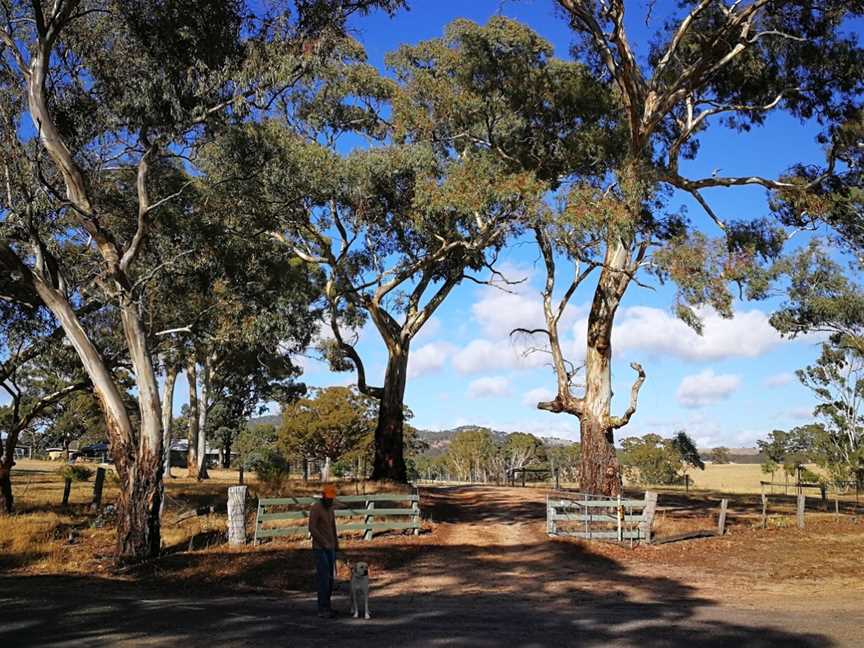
[483, 355]
[534, 396]
[706, 388]
[643, 328]
[428, 358]
[778, 380]
[801, 413]
[489, 387]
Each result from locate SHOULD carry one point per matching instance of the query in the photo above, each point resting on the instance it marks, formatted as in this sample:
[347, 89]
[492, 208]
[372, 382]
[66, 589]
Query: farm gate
[594, 517]
[286, 516]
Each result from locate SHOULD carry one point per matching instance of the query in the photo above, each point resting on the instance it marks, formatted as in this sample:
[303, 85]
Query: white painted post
[648, 515]
[237, 515]
[415, 506]
[368, 520]
[801, 501]
[620, 515]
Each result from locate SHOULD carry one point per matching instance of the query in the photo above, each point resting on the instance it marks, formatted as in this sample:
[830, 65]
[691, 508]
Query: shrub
[76, 472]
[269, 464]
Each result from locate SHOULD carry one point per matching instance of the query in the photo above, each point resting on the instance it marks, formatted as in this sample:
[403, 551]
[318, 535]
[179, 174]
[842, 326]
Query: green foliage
[837, 381]
[652, 459]
[75, 472]
[268, 463]
[685, 447]
[567, 459]
[821, 298]
[334, 422]
[720, 455]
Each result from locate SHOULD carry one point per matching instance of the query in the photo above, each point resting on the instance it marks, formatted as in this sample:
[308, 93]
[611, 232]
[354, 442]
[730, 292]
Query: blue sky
[729, 387]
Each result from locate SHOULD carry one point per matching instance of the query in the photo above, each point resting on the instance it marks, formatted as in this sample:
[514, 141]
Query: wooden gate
[594, 517]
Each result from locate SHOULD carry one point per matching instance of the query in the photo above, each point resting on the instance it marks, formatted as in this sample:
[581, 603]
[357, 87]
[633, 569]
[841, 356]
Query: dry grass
[36, 538]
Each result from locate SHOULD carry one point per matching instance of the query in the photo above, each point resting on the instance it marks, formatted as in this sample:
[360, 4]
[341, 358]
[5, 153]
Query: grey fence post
[764, 511]
[237, 515]
[801, 502]
[97, 488]
[620, 515]
[415, 506]
[368, 520]
[721, 523]
[648, 515]
[67, 487]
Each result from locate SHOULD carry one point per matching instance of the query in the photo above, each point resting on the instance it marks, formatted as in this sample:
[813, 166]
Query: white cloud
[534, 396]
[778, 380]
[489, 386]
[747, 335]
[428, 358]
[801, 413]
[430, 330]
[498, 313]
[706, 388]
[483, 355]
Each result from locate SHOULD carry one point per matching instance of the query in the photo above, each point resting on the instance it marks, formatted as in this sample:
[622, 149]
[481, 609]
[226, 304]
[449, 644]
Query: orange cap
[329, 492]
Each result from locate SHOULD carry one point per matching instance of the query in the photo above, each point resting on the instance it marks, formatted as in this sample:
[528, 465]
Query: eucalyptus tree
[36, 373]
[837, 381]
[115, 91]
[239, 309]
[711, 64]
[393, 226]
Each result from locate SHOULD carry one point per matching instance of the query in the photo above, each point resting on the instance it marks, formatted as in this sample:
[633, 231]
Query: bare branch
[616, 422]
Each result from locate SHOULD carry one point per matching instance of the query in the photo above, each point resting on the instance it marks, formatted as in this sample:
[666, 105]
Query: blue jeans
[325, 563]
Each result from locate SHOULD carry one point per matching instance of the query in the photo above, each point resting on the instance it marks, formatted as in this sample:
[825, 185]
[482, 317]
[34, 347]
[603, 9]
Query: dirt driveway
[486, 576]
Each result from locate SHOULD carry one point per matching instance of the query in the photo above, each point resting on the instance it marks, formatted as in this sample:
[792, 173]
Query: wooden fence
[286, 516]
[594, 517]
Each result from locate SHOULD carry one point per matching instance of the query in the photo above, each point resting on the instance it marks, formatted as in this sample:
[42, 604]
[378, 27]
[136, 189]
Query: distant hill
[440, 439]
[271, 419]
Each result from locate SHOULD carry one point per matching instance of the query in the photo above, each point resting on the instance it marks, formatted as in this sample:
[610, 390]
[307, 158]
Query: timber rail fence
[594, 517]
[286, 516]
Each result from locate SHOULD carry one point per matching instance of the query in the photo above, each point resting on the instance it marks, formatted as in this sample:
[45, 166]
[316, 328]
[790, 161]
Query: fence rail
[593, 517]
[410, 512]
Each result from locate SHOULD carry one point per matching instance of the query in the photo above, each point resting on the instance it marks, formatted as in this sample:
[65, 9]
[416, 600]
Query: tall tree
[710, 64]
[837, 381]
[335, 421]
[36, 374]
[116, 92]
[394, 228]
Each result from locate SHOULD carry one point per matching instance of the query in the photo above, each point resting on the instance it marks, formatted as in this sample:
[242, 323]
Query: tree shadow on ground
[81, 611]
[522, 591]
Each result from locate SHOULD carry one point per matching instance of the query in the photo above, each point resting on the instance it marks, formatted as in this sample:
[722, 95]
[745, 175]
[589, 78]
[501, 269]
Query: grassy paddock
[44, 536]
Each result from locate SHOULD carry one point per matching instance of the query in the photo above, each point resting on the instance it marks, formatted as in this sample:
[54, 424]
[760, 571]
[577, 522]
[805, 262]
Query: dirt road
[491, 578]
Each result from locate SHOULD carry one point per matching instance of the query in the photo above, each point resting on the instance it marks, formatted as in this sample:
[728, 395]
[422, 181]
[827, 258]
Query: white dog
[359, 587]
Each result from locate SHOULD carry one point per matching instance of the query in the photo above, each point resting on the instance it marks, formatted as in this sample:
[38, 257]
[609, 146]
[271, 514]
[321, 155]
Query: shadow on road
[525, 592]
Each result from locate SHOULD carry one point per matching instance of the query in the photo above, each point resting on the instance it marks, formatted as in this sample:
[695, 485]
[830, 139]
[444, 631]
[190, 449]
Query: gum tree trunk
[7, 501]
[600, 469]
[168, 415]
[192, 430]
[203, 409]
[389, 461]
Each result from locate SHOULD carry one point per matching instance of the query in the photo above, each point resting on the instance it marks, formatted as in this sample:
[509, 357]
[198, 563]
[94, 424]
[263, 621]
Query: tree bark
[7, 501]
[192, 419]
[389, 461]
[167, 415]
[601, 471]
[203, 409]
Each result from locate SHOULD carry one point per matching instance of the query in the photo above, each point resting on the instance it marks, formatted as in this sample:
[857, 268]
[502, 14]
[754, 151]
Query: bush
[269, 464]
[76, 472]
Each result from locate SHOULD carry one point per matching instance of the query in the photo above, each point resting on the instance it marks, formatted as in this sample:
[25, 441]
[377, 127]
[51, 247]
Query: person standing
[325, 543]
